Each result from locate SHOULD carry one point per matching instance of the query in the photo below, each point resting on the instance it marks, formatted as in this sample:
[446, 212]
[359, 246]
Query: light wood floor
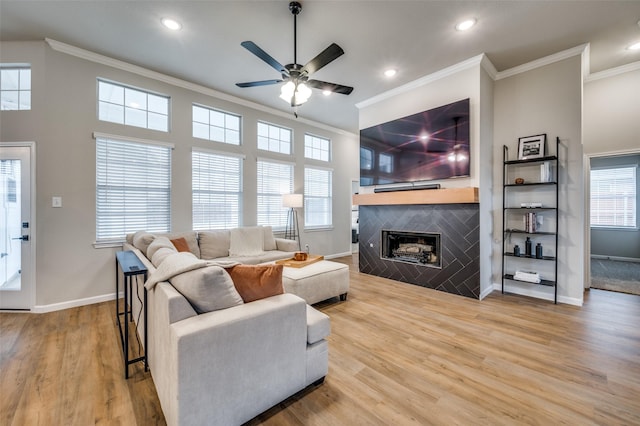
[399, 354]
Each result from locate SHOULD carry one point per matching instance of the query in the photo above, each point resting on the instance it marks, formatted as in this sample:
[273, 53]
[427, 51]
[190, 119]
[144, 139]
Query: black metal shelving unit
[507, 189]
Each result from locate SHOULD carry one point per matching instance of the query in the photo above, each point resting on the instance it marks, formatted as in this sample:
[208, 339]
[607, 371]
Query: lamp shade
[292, 200]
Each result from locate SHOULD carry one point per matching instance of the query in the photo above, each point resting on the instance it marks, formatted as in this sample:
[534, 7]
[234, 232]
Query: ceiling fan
[296, 89]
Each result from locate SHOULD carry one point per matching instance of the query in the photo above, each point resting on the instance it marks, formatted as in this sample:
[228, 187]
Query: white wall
[69, 269]
[546, 100]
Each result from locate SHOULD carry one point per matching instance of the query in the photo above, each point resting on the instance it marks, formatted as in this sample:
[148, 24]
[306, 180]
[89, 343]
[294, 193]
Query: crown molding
[612, 72]
[412, 85]
[177, 82]
[547, 60]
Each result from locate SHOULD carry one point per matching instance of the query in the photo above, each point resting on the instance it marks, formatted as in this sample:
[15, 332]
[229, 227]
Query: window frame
[239, 194]
[593, 199]
[310, 137]
[280, 141]
[308, 199]
[225, 129]
[130, 187]
[20, 91]
[132, 109]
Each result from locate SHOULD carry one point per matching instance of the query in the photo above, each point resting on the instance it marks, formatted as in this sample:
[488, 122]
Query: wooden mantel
[420, 196]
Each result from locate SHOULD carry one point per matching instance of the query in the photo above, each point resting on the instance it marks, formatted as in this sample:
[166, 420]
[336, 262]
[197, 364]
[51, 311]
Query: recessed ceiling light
[634, 46]
[326, 92]
[465, 25]
[390, 72]
[172, 24]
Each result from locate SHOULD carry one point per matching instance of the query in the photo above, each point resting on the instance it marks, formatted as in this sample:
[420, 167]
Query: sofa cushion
[318, 325]
[207, 289]
[269, 242]
[160, 244]
[180, 244]
[141, 241]
[246, 241]
[214, 244]
[255, 282]
[191, 237]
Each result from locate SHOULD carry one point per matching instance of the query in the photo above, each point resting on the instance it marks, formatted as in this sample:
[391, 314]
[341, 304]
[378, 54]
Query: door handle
[23, 238]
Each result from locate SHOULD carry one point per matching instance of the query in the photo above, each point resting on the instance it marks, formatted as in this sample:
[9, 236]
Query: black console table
[131, 267]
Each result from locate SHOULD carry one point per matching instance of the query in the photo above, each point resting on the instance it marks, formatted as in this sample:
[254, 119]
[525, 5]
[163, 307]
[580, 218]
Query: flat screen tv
[430, 145]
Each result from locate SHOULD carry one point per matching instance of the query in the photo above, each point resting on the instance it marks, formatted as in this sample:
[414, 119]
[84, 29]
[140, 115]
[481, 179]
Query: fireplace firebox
[419, 248]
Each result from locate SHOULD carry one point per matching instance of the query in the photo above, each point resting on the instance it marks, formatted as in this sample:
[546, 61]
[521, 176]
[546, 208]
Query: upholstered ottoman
[318, 281]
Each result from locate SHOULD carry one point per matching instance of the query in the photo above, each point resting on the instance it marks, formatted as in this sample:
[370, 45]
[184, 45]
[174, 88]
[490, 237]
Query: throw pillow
[255, 282]
[190, 236]
[269, 240]
[207, 289]
[246, 241]
[141, 241]
[180, 244]
[214, 244]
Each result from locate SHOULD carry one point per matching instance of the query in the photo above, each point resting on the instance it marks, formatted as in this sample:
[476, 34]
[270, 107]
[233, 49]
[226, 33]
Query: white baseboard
[532, 292]
[333, 256]
[487, 292]
[42, 309]
[621, 259]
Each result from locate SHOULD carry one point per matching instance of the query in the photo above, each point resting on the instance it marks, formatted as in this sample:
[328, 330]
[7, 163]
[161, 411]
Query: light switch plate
[56, 202]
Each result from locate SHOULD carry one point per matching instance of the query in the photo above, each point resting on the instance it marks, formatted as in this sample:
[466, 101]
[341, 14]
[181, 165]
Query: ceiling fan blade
[253, 48]
[258, 83]
[333, 87]
[327, 55]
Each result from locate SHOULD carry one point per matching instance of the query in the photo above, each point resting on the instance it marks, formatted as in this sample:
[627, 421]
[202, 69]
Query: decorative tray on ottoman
[292, 263]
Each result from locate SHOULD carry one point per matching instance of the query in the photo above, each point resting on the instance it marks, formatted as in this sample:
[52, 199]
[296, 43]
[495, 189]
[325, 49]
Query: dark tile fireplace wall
[459, 225]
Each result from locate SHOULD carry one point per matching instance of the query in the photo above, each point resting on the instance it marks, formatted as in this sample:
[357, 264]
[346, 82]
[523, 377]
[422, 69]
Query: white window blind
[274, 179]
[274, 138]
[15, 87]
[217, 190]
[613, 197]
[317, 148]
[317, 198]
[215, 125]
[133, 188]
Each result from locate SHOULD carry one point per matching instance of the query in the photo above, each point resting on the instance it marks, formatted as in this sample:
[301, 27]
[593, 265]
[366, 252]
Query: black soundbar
[408, 187]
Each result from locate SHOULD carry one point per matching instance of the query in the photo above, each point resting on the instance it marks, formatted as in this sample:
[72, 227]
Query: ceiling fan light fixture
[172, 24]
[466, 24]
[302, 92]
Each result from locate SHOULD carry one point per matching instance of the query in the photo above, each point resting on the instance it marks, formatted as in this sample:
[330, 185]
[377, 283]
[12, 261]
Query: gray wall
[547, 100]
[69, 270]
[617, 242]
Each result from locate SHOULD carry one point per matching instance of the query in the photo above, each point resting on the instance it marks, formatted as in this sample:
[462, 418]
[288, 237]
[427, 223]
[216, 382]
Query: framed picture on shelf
[532, 147]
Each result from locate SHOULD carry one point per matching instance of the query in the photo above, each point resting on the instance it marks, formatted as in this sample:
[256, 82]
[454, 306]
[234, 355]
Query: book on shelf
[532, 222]
[545, 172]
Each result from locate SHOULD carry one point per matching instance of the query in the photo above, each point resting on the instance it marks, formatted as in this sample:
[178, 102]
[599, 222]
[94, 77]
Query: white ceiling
[416, 37]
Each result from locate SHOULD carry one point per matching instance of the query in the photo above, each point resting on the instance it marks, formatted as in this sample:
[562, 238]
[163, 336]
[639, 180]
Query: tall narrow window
[613, 197]
[274, 179]
[215, 125]
[217, 190]
[366, 158]
[121, 104]
[133, 188]
[274, 138]
[317, 148]
[318, 209]
[15, 87]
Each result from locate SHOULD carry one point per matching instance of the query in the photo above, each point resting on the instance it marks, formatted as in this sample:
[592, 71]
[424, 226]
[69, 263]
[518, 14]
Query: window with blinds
[318, 210]
[274, 179]
[15, 87]
[613, 197]
[317, 148]
[274, 138]
[133, 188]
[217, 190]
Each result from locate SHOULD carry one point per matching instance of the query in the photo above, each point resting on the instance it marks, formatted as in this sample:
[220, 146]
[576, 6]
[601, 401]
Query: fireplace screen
[420, 248]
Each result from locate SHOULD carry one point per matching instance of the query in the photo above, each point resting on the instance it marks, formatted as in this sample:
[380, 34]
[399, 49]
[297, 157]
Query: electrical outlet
[56, 202]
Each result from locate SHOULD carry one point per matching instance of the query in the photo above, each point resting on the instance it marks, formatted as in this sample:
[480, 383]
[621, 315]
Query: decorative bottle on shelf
[516, 250]
[538, 251]
[527, 247]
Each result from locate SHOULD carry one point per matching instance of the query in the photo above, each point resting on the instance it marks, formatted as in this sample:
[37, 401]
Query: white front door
[16, 280]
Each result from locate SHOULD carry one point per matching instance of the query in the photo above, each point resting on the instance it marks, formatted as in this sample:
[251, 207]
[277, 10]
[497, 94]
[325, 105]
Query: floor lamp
[293, 202]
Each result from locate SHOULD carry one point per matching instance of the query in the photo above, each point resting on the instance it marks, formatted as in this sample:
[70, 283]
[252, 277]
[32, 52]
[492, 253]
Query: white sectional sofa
[228, 365]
